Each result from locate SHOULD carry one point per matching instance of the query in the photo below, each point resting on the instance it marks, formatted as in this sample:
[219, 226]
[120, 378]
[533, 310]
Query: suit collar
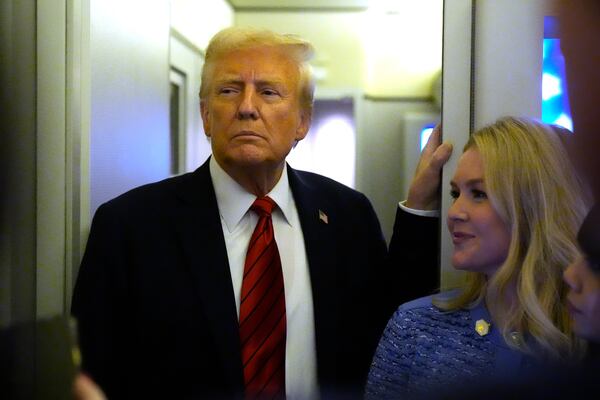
[320, 240]
[234, 201]
[200, 224]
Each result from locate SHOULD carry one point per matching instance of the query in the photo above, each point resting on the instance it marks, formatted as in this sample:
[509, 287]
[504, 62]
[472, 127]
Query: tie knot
[263, 206]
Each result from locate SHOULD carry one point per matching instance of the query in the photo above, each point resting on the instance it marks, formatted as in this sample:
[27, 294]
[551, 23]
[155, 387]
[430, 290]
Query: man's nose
[248, 107]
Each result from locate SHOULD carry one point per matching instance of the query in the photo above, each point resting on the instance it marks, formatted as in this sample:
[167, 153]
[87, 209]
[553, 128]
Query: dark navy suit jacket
[154, 297]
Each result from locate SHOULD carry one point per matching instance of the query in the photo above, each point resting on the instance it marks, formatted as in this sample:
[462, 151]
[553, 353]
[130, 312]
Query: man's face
[252, 112]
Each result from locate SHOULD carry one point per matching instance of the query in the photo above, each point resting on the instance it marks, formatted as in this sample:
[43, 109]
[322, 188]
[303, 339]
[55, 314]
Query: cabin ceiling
[296, 4]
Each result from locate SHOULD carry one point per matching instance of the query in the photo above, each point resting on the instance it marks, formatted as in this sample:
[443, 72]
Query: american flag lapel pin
[323, 217]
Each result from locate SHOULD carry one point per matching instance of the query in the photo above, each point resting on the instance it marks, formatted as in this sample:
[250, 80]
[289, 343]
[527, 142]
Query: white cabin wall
[129, 138]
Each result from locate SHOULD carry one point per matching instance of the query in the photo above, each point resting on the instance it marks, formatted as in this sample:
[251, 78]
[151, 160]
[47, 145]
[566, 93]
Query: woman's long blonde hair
[535, 189]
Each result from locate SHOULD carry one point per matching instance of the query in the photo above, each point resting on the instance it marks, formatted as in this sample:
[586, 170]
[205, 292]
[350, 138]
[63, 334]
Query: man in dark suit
[162, 293]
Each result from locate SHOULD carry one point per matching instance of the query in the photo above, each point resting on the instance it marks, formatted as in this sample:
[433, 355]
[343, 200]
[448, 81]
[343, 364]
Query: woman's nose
[457, 211]
[571, 275]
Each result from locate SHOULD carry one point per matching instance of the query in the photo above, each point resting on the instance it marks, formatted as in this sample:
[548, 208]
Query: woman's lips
[460, 237]
[572, 309]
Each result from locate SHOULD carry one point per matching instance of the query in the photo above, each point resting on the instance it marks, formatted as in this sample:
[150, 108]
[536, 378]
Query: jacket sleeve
[99, 302]
[413, 259]
[408, 270]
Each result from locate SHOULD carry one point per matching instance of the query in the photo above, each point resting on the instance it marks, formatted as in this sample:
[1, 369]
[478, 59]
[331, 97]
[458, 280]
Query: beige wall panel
[508, 59]
[339, 53]
[394, 50]
[380, 153]
[403, 48]
[198, 20]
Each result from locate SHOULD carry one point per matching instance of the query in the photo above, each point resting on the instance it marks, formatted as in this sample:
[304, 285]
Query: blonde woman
[517, 206]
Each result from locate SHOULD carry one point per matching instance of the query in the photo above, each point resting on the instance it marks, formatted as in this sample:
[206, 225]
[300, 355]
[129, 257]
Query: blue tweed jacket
[426, 352]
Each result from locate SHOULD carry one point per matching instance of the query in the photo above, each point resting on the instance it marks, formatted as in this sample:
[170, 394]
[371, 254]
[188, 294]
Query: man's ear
[205, 117]
[304, 125]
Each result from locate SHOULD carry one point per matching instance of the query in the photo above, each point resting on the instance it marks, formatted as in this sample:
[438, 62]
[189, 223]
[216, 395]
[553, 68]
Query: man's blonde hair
[240, 38]
[534, 188]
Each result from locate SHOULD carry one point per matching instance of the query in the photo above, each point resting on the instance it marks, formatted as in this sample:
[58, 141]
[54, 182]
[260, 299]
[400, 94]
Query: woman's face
[583, 299]
[481, 239]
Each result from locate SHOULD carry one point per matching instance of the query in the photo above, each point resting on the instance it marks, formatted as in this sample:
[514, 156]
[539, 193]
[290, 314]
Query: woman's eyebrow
[474, 181]
[469, 182]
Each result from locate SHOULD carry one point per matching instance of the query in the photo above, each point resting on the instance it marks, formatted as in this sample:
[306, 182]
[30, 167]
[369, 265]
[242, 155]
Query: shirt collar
[234, 201]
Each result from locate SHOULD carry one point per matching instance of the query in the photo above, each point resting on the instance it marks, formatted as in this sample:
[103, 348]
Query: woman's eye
[479, 194]
[454, 194]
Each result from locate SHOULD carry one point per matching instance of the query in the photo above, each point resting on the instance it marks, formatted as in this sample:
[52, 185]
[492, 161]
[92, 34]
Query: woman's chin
[460, 263]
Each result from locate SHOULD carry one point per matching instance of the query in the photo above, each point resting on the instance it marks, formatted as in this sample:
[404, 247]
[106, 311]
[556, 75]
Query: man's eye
[269, 92]
[227, 90]
[454, 194]
[479, 194]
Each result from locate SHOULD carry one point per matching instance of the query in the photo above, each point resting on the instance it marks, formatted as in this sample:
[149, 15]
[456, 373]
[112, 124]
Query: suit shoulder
[147, 195]
[422, 317]
[426, 302]
[328, 185]
[417, 304]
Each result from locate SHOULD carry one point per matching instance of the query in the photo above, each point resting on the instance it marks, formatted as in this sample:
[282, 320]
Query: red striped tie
[262, 310]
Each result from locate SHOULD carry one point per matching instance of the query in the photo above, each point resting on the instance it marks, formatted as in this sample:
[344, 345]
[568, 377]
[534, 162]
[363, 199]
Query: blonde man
[245, 277]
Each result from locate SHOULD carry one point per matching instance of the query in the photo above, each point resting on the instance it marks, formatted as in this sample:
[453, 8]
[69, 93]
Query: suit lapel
[203, 244]
[320, 244]
[201, 235]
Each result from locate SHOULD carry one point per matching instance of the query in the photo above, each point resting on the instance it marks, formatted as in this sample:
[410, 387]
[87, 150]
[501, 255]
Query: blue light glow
[550, 86]
[565, 121]
[425, 133]
[555, 103]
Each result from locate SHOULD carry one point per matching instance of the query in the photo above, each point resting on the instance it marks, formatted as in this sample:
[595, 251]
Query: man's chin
[253, 160]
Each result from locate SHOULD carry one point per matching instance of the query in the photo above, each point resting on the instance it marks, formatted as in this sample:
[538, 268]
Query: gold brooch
[482, 327]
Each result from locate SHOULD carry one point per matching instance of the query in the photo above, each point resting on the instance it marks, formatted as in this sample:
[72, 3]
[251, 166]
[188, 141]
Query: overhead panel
[299, 4]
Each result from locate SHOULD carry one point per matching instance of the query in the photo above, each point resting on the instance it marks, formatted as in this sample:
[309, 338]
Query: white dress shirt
[422, 213]
[238, 223]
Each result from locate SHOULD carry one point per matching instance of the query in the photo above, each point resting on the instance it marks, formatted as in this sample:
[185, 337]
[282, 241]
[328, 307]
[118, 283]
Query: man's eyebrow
[228, 81]
[259, 82]
[274, 81]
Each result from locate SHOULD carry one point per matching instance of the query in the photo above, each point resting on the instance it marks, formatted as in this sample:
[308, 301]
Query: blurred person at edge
[579, 22]
[580, 44]
[86, 389]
